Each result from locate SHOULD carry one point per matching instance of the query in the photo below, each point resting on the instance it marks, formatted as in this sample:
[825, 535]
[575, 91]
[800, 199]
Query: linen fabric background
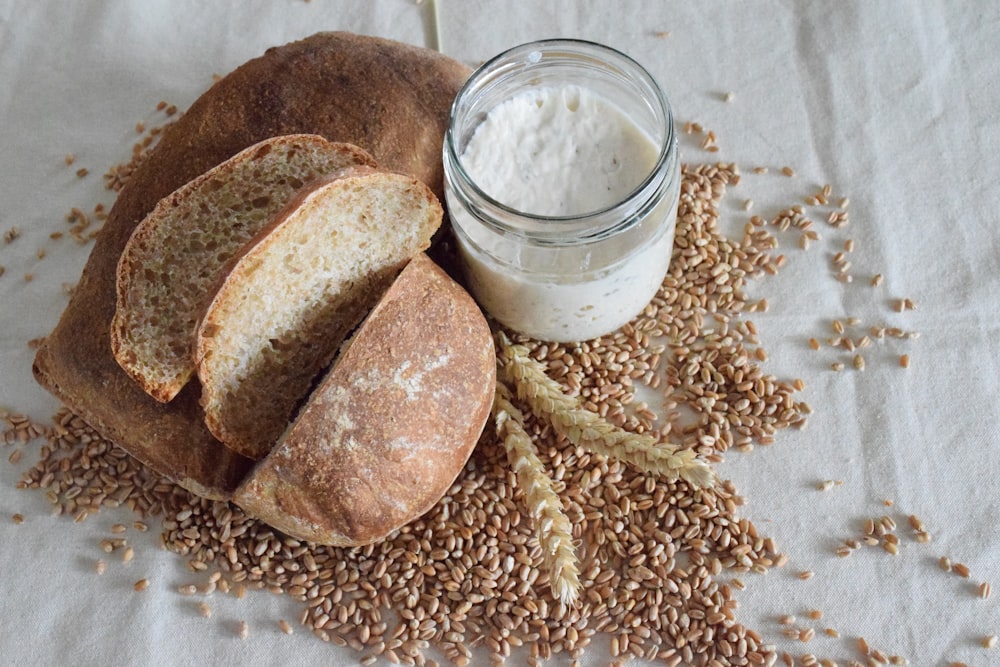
[894, 104]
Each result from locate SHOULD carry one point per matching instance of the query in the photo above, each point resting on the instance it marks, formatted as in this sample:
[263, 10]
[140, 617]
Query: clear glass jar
[577, 275]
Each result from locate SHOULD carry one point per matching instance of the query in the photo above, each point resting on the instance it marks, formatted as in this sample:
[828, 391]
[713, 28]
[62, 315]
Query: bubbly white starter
[560, 152]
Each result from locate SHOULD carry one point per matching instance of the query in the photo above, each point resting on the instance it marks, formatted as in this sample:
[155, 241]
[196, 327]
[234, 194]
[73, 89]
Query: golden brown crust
[389, 98]
[390, 427]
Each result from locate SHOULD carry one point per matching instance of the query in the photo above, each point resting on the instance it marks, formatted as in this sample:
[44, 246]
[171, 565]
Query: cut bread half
[294, 294]
[175, 257]
[390, 426]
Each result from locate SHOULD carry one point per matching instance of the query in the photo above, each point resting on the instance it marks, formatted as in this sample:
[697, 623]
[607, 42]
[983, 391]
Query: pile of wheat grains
[658, 560]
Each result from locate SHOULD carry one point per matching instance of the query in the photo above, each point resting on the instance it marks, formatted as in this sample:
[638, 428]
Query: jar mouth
[530, 63]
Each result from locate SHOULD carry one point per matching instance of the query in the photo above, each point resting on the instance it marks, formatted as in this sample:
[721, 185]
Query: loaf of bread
[175, 257]
[294, 293]
[389, 98]
[390, 426]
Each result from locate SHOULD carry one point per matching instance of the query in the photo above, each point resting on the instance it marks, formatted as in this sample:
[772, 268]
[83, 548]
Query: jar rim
[601, 222]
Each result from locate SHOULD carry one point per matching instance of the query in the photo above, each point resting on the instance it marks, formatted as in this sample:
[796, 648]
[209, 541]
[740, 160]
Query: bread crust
[391, 425]
[389, 98]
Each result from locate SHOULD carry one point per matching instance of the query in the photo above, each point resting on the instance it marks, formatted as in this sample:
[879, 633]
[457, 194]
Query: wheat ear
[586, 429]
[553, 526]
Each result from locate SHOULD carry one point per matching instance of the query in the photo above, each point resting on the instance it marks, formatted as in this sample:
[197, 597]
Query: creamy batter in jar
[562, 178]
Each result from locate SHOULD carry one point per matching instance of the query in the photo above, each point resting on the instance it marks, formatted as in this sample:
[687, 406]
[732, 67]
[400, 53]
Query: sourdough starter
[561, 152]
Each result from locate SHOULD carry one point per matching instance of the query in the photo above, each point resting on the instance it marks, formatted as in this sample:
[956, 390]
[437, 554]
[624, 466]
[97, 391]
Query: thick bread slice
[299, 288]
[390, 426]
[391, 99]
[175, 257]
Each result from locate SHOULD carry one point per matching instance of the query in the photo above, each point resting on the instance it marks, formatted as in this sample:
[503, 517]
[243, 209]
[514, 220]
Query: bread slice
[390, 426]
[175, 257]
[291, 298]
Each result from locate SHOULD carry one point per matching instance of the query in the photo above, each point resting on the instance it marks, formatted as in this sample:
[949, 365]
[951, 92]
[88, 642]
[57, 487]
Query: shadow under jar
[561, 180]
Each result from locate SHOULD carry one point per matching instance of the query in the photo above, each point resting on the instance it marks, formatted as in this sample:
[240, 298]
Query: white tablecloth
[894, 104]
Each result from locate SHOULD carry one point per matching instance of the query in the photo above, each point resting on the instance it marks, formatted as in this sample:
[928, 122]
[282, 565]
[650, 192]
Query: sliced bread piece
[297, 291]
[390, 426]
[174, 259]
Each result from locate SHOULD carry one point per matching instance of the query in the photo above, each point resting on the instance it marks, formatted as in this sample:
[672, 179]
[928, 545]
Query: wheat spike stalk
[588, 430]
[553, 526]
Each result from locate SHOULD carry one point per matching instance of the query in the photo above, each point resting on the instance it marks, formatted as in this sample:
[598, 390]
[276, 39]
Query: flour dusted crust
[390, 426]
[388, 98]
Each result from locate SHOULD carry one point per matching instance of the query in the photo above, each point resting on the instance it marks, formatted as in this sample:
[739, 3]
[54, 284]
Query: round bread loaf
[390, 426]
[389, 98]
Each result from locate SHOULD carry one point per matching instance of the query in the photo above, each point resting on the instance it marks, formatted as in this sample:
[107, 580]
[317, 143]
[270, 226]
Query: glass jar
[564, 274]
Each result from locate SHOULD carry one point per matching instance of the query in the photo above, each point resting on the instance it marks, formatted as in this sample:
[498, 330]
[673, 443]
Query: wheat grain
[476, 553]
